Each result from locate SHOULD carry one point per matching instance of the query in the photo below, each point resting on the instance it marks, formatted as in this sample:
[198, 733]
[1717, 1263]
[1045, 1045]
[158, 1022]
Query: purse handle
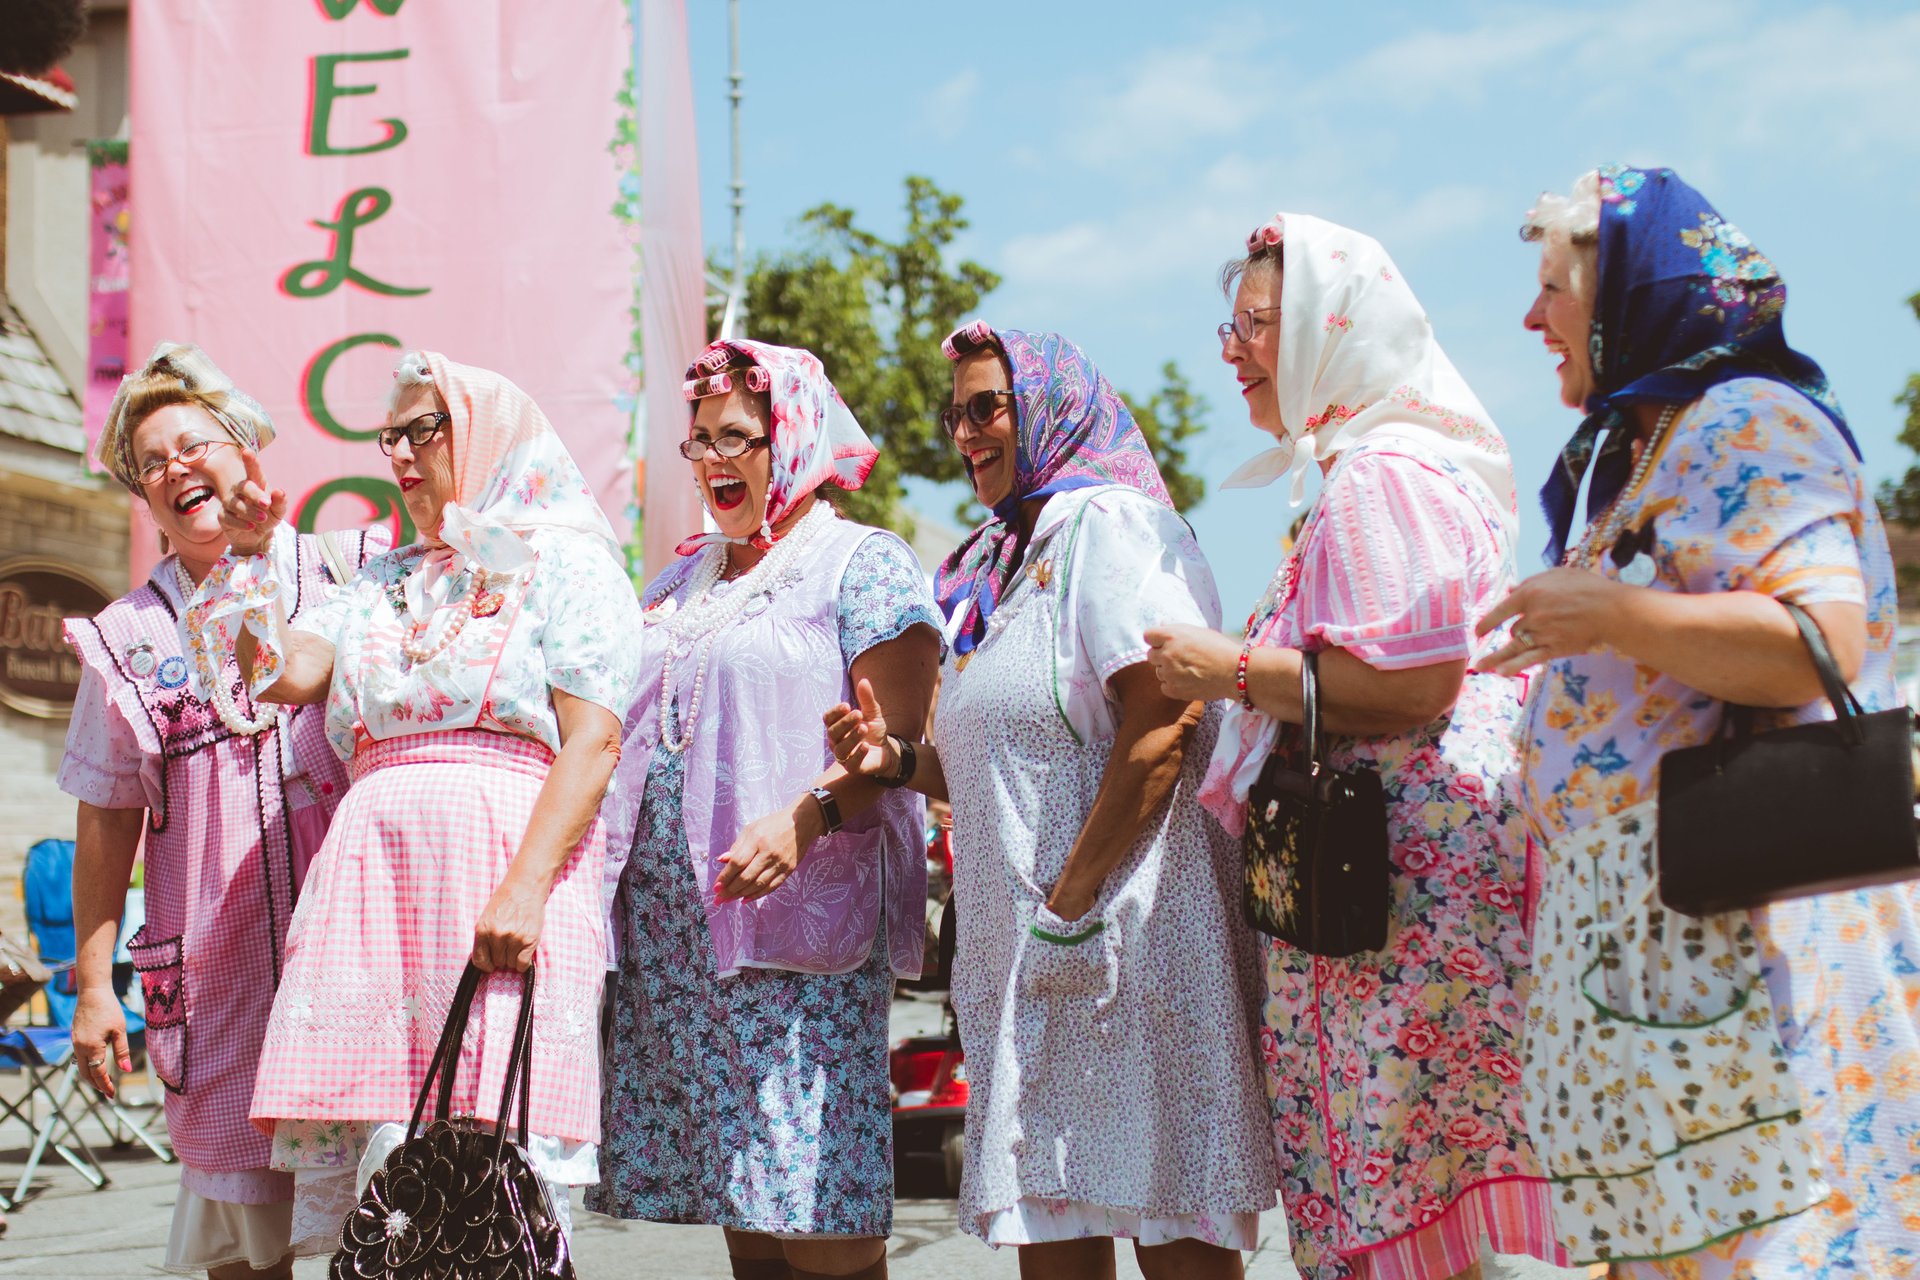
[446, 1059]
[1310, 710]
[1846, 707]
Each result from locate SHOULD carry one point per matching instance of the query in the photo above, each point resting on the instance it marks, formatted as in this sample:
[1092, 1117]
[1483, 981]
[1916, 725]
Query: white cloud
[945, 106]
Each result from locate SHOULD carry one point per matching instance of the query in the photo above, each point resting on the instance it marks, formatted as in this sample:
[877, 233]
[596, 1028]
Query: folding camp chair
[44, 1055]
[48, 889]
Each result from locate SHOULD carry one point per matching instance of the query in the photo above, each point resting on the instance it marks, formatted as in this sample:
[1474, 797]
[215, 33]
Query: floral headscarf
[1357, 354]
[1685, 302]
[238, 413]
[512, 476]
[814, 438]
[1071, 431]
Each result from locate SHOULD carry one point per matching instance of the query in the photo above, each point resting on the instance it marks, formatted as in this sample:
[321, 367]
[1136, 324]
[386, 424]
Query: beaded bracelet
[1240, 676]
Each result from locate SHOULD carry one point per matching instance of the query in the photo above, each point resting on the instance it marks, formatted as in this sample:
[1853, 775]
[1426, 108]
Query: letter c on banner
[380, 498]
[313, 385]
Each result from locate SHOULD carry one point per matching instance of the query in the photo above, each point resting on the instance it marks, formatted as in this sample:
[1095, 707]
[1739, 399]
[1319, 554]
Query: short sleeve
[591, 622]
[103, 764]
[1397, 561]
[1135, 565]
[329, 617]
[1760, 493]
[883, 592]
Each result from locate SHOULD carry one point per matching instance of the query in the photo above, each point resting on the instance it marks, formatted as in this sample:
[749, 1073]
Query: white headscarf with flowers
[1357, 354]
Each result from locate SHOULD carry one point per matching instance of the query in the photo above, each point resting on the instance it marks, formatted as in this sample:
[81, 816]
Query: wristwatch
[905, 750]
[829, 807]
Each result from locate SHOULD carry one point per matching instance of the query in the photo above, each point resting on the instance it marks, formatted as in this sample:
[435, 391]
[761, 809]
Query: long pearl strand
[217, 692]
[1604, 532]
[418, 653]
[705, 615]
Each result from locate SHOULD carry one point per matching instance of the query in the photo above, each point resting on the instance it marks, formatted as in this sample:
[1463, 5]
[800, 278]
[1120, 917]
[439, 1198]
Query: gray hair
[412, 371]
[1572, 220]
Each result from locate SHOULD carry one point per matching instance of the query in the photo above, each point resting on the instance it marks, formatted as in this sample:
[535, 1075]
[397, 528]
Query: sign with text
[326, 183]
[39, 675]
[107, 275]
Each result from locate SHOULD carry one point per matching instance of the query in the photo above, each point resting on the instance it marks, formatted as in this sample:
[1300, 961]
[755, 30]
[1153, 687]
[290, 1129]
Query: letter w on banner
[324, 185]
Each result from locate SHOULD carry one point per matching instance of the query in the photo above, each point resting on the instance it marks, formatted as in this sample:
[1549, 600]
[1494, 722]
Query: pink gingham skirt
[385, 926]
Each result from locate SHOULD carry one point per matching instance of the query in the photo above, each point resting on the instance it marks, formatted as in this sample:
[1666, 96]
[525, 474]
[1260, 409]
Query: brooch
[488, 604]
[140, 659]
[173, 672]
[1041, 574]
[1630, 555]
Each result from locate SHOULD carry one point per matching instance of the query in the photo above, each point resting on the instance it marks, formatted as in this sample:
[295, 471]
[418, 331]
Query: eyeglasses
[418, 432]
[727, 446]
[188, 454]
[1242, 325]
[979, 408]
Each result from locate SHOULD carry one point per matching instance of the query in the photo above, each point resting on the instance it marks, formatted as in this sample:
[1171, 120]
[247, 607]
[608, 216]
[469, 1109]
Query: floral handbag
[457, 1201]
[1316, 845]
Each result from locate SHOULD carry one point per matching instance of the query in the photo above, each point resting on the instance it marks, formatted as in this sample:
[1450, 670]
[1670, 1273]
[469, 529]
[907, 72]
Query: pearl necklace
[217, 692]
[699, 621]
[419, 653]
[1604, 532]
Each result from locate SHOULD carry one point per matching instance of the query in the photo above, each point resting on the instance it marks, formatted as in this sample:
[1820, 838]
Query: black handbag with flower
[1316, 845]
[458, 1201]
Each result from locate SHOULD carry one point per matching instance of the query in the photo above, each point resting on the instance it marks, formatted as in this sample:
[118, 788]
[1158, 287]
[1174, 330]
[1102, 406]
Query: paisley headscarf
[1357, 354]
[814, 438]
[512, 476]
[1685, 301]
[1071, 431]
[238, 413]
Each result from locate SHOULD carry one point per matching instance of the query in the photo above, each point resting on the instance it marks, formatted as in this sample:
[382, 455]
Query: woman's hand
[858, 736]
[1193, 664]
[767, 852]
[1561, 613]
[100, 1033]
[509, 928]
[250, 511]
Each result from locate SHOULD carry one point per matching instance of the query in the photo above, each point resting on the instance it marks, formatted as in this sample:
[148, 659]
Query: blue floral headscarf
[1685, 302]
[1071, 431]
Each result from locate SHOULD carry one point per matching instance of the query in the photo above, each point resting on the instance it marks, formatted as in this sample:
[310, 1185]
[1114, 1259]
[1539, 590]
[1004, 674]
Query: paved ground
[69, 1230]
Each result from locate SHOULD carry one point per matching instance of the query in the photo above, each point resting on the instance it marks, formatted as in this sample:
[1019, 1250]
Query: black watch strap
[829, 808]
[907, 763]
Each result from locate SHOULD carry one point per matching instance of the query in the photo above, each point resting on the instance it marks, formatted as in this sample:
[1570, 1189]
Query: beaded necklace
[1603, 533]
[217, 692]
[698, 622]
[414, 646]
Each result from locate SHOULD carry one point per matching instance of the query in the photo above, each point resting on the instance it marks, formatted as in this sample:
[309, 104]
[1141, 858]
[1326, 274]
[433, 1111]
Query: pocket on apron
[162, 967]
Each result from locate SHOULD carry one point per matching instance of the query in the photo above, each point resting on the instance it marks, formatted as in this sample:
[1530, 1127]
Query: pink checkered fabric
[385, 926]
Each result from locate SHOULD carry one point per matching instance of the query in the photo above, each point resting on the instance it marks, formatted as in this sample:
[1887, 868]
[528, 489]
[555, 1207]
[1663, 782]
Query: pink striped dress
[1394, 1076]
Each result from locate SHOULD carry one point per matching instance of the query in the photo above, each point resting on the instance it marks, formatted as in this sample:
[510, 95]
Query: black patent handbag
[458, 1201]
[1316, 845]
[1753, 818]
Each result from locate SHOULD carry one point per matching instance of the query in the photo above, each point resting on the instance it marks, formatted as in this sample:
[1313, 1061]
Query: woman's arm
[1149, 746]
[861, 740]
[1356, 699]
[1738, 646]
[105, 841]
[306, 664]
[509, 928]
[898, 673]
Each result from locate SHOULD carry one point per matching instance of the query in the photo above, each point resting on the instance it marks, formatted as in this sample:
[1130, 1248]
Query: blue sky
[1112, 155]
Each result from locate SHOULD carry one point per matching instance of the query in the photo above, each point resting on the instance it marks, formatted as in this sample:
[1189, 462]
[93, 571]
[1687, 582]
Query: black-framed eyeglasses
[418, 432]
[979, 410]
[189, 453]
[727, 446]
[1242, 325]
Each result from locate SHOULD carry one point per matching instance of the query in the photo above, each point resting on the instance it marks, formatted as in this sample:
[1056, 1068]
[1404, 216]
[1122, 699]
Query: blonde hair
[1572, 220]
[177, 373]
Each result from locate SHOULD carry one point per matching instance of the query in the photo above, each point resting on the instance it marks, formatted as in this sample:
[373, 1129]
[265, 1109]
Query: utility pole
[733, 318]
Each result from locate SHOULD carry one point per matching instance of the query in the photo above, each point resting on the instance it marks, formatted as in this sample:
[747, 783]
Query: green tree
[1900, 499]
[875, 310]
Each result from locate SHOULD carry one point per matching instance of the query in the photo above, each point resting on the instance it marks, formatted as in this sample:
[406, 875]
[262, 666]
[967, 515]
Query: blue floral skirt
[758, 1102]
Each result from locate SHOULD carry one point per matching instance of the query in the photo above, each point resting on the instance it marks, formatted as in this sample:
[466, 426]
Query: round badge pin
[1639, 571]
[140, 659]
[173, 672]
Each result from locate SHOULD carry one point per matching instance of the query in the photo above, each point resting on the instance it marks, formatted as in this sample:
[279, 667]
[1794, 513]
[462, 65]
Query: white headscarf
[1357, 354]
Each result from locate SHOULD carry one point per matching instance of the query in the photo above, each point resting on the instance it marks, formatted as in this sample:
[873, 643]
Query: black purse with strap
[457, 1201]
[1753, 818]
[1316, 845]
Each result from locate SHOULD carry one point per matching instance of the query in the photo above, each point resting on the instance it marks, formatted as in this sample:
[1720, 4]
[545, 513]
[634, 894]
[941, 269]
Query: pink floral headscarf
[813, 436]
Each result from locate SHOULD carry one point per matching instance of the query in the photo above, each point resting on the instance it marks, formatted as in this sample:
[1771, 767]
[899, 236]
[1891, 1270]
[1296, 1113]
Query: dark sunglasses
[979, 409]
[727, 446]
[1242, 325]
[418, 432]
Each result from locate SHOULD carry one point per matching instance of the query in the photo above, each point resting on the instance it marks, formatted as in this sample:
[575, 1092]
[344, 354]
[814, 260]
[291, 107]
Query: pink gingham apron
[386, 924]
[222, 862]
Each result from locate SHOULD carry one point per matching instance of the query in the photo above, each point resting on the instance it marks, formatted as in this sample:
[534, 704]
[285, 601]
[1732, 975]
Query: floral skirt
[1658, 1091]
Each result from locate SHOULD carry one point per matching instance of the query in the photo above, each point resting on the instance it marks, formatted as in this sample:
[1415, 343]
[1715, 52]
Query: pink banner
[107, 261]
[325, 183]
[673, 312]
